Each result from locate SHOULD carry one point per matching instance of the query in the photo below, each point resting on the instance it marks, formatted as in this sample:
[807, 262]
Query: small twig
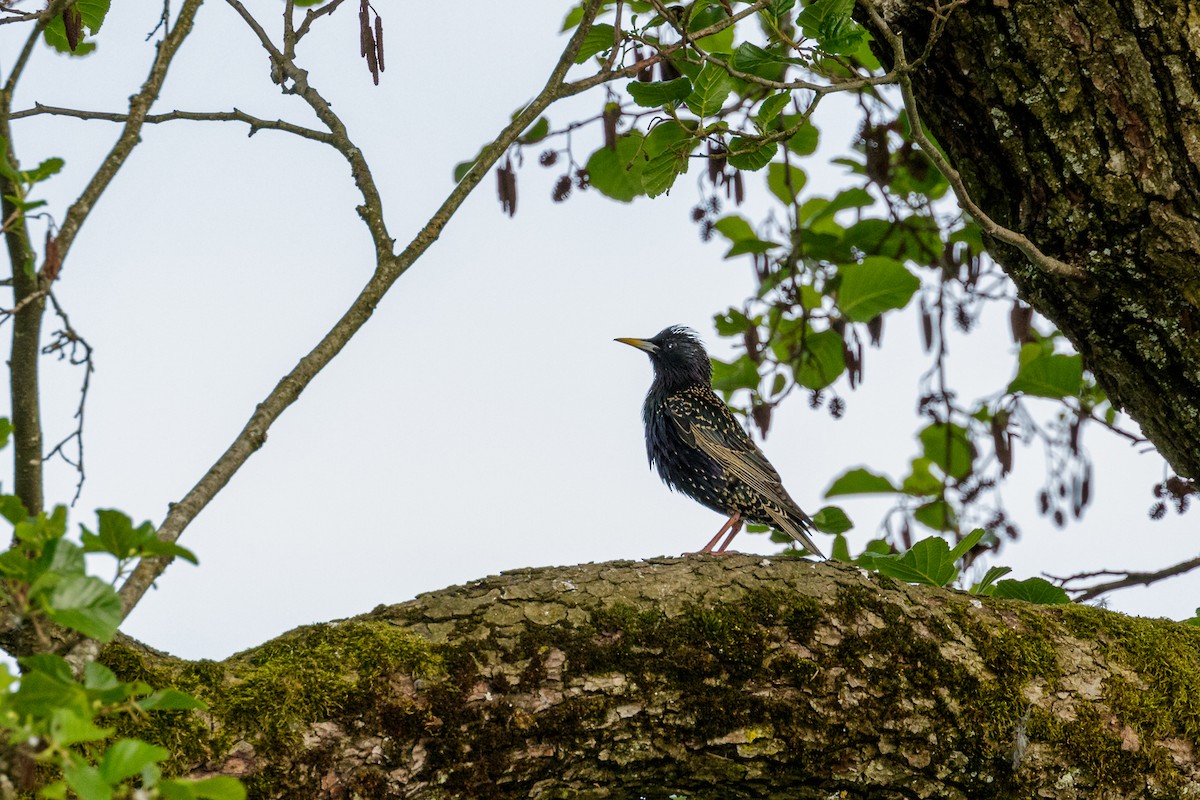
[256, 123]
[67, 343]
[289, 30]
[313, 15]
[51, 11]
[989, 226]
[18, 16]
[29, 298]
[1124, 581]
[164, 20]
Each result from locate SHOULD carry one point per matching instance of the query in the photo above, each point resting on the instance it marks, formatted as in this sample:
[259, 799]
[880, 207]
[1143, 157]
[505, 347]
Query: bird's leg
[737, 528]
[729, 523]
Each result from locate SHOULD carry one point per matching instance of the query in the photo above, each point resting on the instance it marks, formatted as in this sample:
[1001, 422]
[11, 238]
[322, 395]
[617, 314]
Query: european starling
[700, 449]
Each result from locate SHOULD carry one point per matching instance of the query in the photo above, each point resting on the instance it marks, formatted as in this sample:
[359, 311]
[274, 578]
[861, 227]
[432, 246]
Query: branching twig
[68, 344]
[18, 16]
[389, 268]
[236, 115]
[989, 226]
[1123, 579]
[313, 14]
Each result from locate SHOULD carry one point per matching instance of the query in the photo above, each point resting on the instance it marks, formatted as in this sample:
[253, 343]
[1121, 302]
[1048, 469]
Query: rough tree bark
[729, 677]
[1077, 123]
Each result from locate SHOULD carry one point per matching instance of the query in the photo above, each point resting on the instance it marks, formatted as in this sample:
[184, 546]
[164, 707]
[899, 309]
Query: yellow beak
[640, 344]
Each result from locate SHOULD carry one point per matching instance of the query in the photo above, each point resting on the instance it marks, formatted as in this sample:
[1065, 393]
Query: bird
[699, 449]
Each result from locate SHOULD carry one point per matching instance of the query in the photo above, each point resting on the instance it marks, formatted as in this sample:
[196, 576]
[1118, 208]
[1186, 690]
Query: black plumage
[698, 447]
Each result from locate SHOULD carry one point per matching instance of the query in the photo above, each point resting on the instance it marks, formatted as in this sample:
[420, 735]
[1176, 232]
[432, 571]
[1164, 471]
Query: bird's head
[677, 355]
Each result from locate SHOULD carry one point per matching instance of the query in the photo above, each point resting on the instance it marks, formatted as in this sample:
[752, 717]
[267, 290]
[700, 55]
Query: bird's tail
[796, 524]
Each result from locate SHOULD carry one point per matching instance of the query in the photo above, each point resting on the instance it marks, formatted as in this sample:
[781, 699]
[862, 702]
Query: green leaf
[751, 246]
[1032, 590]
[218, 787]
[49, 167]
[822, 361]
[732, 323]
[92, 13]
[985, 587]
[860, 481]
[68, 727]
[662, 93]
[950, 448]
[599, 39]
[830, 23]
[1049, 375]
[771, 107]
[804, 141]
[928, 563]
[847, 198]
[785, 181]
[535, 132]
[98, 677]
[670, 136]
[60, 558]
[709, 90]
[86, 781]
[53, 791]
[754, 60]
[832, 519]
[115, 534]
[52, 666]
[573, 18]
[86, 604]
[660, 172]
[11, 507]
[704, 15]
[876, 285]
[740, 374]
[936, 514]
[170, 700]
[750, 154]
[618, 173]
[963, 547]
[737, 230]
[841, 550]
[128, 757]
[920, 481]
[734, 228]
[157, 547]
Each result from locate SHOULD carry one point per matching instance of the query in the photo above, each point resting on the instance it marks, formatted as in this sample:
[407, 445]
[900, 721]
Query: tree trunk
[732, 677]
[1077, 123]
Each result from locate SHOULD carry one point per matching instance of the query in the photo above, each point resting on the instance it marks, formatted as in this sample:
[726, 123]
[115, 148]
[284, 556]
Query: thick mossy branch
[735, 677]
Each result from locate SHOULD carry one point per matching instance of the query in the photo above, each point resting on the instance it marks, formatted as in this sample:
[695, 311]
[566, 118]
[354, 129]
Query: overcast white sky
[484, 419]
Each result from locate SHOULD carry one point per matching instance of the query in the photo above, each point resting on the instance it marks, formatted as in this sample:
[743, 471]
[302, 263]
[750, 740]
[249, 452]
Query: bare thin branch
[389, 268]
[236, 115]
[313, 15]
[139, 106]
[1123, 580]
[18, 17]
[51, 11]
[68, 344]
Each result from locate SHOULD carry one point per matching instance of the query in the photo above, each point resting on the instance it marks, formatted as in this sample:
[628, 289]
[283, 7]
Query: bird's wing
[705, 421]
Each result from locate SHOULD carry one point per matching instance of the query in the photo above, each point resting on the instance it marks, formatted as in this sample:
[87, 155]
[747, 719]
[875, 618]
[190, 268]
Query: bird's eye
[670, 345]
